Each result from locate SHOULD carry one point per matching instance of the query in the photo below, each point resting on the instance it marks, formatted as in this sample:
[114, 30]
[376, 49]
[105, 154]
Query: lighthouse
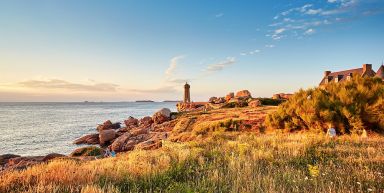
[187, 94]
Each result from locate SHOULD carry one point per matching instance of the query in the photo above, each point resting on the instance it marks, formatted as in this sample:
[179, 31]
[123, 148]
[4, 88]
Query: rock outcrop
[229, 96]
[146, 121]
[244, 94]
[90, 139]
[15, 162]
[164, 127]
[4, 158]
[148, 132]
[217, 100]
[128, 141]
[106, 136]
[254, 103]
[122, 143]
[139, 131]
[161, 116]
[142, 137]
[149, 145]
[212, 99]
[131, 122]
[108, 125]
[23, 162]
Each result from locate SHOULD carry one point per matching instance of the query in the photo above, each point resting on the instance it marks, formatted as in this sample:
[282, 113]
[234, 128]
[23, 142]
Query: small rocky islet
[148, 133]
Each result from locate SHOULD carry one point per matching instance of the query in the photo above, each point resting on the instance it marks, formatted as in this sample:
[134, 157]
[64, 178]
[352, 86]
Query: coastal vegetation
[349, 106]
[228, 149]
[222, 162]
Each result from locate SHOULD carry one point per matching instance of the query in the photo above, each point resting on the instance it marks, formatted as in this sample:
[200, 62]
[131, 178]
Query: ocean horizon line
[90, 101]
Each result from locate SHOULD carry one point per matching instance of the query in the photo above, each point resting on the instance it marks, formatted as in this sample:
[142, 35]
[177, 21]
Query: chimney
[326, 73]
[367, 67]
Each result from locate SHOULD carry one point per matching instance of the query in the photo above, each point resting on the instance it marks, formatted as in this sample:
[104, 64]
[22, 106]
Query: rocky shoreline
[146, 133]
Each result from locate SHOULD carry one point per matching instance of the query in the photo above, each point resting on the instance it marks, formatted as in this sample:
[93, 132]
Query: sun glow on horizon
[124, 51]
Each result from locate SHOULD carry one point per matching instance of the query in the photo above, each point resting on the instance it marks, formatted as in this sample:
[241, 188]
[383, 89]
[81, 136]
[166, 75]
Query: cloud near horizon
[57, 84]
[61, 90]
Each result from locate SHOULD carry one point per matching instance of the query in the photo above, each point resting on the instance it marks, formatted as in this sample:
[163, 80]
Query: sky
[98, 50]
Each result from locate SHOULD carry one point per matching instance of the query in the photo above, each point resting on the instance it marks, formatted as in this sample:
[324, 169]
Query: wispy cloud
[250, 52]
[280, 30]
[309, 32]
[172, 65]
[220, 65]
[178, 80]
[57, 84]
[277, 34]
[219, 15]
[269, 46]
[301, 9]
[313, 11]
[305, 18]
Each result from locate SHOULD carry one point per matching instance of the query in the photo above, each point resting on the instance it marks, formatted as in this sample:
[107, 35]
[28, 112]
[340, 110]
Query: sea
[32, 129]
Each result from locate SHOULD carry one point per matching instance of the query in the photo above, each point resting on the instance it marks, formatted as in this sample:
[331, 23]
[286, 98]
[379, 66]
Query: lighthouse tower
[187, 95]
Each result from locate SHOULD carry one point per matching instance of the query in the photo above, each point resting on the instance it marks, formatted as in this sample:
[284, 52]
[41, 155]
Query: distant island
[144, 101]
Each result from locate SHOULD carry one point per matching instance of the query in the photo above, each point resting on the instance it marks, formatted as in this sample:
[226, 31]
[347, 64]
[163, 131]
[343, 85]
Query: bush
[87, 151]
[271, 102]
[349, 106]
[235, 104]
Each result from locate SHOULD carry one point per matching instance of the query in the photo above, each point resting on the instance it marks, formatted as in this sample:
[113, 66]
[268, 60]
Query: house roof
[380, 72]
[342, 74]
[347, 72]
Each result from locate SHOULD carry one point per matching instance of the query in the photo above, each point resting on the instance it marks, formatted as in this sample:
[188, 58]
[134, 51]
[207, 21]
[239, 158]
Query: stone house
[365, 71]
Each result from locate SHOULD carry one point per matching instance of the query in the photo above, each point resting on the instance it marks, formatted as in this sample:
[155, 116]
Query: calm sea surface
[42, 128]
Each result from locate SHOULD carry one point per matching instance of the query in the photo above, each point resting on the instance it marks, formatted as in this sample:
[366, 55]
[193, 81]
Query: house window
[328, 79]
[349, 77]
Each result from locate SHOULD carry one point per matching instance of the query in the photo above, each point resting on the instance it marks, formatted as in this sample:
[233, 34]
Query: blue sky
[127, 50]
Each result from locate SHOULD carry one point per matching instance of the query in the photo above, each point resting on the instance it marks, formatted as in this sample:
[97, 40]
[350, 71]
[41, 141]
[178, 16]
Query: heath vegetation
[350, 106]
[223, 162]
[233, 150]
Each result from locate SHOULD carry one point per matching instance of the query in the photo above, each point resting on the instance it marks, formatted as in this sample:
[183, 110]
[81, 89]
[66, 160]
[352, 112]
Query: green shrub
[350, 106]
[235, 104]
[87, 151]
[271, 102]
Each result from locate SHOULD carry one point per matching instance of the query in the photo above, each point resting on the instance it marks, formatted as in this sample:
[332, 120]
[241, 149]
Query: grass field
[222, 162]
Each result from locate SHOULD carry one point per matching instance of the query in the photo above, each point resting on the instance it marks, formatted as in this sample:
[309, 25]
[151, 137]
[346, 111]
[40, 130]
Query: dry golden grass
[220, 162]
[226, 162]
[195, 125]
